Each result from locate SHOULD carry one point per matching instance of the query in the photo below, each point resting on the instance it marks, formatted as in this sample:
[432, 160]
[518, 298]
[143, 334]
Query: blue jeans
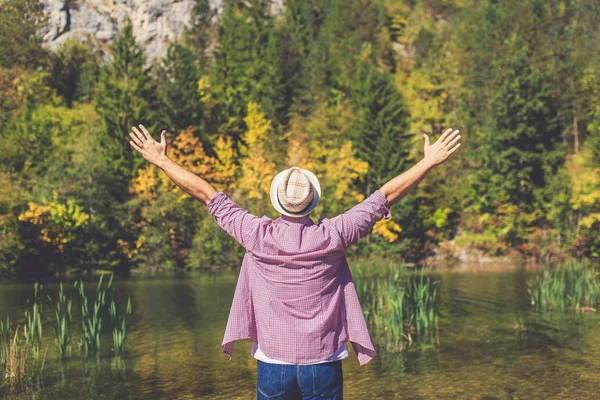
[300, 382]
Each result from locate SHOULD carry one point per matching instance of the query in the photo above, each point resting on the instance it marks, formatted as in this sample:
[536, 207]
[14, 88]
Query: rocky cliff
[155, 22]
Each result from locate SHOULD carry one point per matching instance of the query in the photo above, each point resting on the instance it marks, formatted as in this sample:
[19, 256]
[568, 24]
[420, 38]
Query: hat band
[294, 212]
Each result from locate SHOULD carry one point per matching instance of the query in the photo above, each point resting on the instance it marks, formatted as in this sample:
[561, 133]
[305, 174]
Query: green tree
[74, 69]
[246, 67]
[303, 75]
[522, 145]
[200, 33]
[125, 96]
[21, 26]
[381, 133]
[177, 76]
[26, 145]
[347, 27]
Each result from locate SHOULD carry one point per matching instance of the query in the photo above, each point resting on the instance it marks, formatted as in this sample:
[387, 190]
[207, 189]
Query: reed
[420, 306]
[91, 319]
[6, 332]
[15, 362]
[119, 326]
[573, 285]
[62, 323]
[398, 304]
[33, 327]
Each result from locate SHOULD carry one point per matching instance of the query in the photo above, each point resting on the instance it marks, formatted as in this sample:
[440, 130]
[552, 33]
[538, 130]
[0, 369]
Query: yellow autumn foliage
[124, 245]
[57, 220]
[388, 229]
[225, 168]
[35, 214]
[158, 192]
[344, 169]
[257, 168]
[297, 153]
[187, 151]
[204, 89]
[145, 184]
[585, 184]
[319, 144]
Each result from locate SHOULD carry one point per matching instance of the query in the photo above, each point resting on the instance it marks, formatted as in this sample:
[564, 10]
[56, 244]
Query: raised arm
[400, 186]
[234, 220]
[156, 153]
[358, 221]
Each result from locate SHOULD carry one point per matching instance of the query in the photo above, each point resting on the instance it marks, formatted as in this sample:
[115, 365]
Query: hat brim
[316, 198]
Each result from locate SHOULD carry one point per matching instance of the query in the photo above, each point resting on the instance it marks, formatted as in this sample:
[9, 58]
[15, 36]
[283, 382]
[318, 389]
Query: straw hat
[295, 192]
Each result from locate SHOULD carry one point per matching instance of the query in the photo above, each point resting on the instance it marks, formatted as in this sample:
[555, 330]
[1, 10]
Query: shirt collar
[304, 220]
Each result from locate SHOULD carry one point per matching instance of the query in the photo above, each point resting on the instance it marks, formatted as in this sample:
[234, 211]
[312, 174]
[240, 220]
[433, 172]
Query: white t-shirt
[257, 353]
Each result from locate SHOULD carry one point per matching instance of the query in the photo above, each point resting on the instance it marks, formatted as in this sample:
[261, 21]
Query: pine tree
[177, 77]
[299, 59]
[380, 134]
[515, 105]
[21, 25]
[199, 35]
[347, 26]
[327, 37]
[246, 66]
[125, 97]
[74, 70]
[522, 144]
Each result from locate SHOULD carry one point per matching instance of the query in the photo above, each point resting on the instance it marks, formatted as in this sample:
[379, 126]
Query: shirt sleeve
[234, 220]
[358, 221]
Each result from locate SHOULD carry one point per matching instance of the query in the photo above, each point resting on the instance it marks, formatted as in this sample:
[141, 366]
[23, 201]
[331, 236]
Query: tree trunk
[575, 125]
[368, 193]
[575, 131]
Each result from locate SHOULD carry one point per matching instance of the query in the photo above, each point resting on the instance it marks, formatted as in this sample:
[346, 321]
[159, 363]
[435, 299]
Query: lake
[489, 343]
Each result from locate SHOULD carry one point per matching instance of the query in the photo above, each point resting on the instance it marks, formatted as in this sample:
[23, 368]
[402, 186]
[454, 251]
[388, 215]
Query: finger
[453, 141]
[136, 140]
[426, 140]
[148, 135]
[454, 149]
[450, 137]
[139, 134]
[446, 133]
[135, 146]
[163, 138]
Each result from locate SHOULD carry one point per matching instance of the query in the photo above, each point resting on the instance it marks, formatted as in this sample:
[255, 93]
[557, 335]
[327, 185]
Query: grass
[6, 332]
[91, 318]
[574, 285]
[421, 292]
[62, 323]
[18, 344]
[16, 361]
[33, 328]
[119, 326]
[397, 304]
[13, 357]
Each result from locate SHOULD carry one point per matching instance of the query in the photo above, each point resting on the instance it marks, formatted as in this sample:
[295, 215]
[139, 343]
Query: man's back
[295, 294]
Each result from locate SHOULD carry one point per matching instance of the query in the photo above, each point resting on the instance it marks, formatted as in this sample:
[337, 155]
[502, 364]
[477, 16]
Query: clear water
[489, 344]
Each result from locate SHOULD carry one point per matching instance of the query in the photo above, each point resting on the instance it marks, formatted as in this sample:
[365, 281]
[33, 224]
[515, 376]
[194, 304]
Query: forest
[344, 88]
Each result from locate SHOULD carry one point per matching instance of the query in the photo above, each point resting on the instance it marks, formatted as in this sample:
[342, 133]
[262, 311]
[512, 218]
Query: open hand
[438, 152]
[149, 148]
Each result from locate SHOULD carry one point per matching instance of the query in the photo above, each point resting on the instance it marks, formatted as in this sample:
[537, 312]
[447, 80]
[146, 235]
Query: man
[295, 297]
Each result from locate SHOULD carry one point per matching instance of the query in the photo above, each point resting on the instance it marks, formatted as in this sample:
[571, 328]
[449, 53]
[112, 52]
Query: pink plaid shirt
[295, 295]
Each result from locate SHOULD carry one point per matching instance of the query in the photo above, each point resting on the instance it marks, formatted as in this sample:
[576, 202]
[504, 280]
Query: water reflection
[487, 340]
